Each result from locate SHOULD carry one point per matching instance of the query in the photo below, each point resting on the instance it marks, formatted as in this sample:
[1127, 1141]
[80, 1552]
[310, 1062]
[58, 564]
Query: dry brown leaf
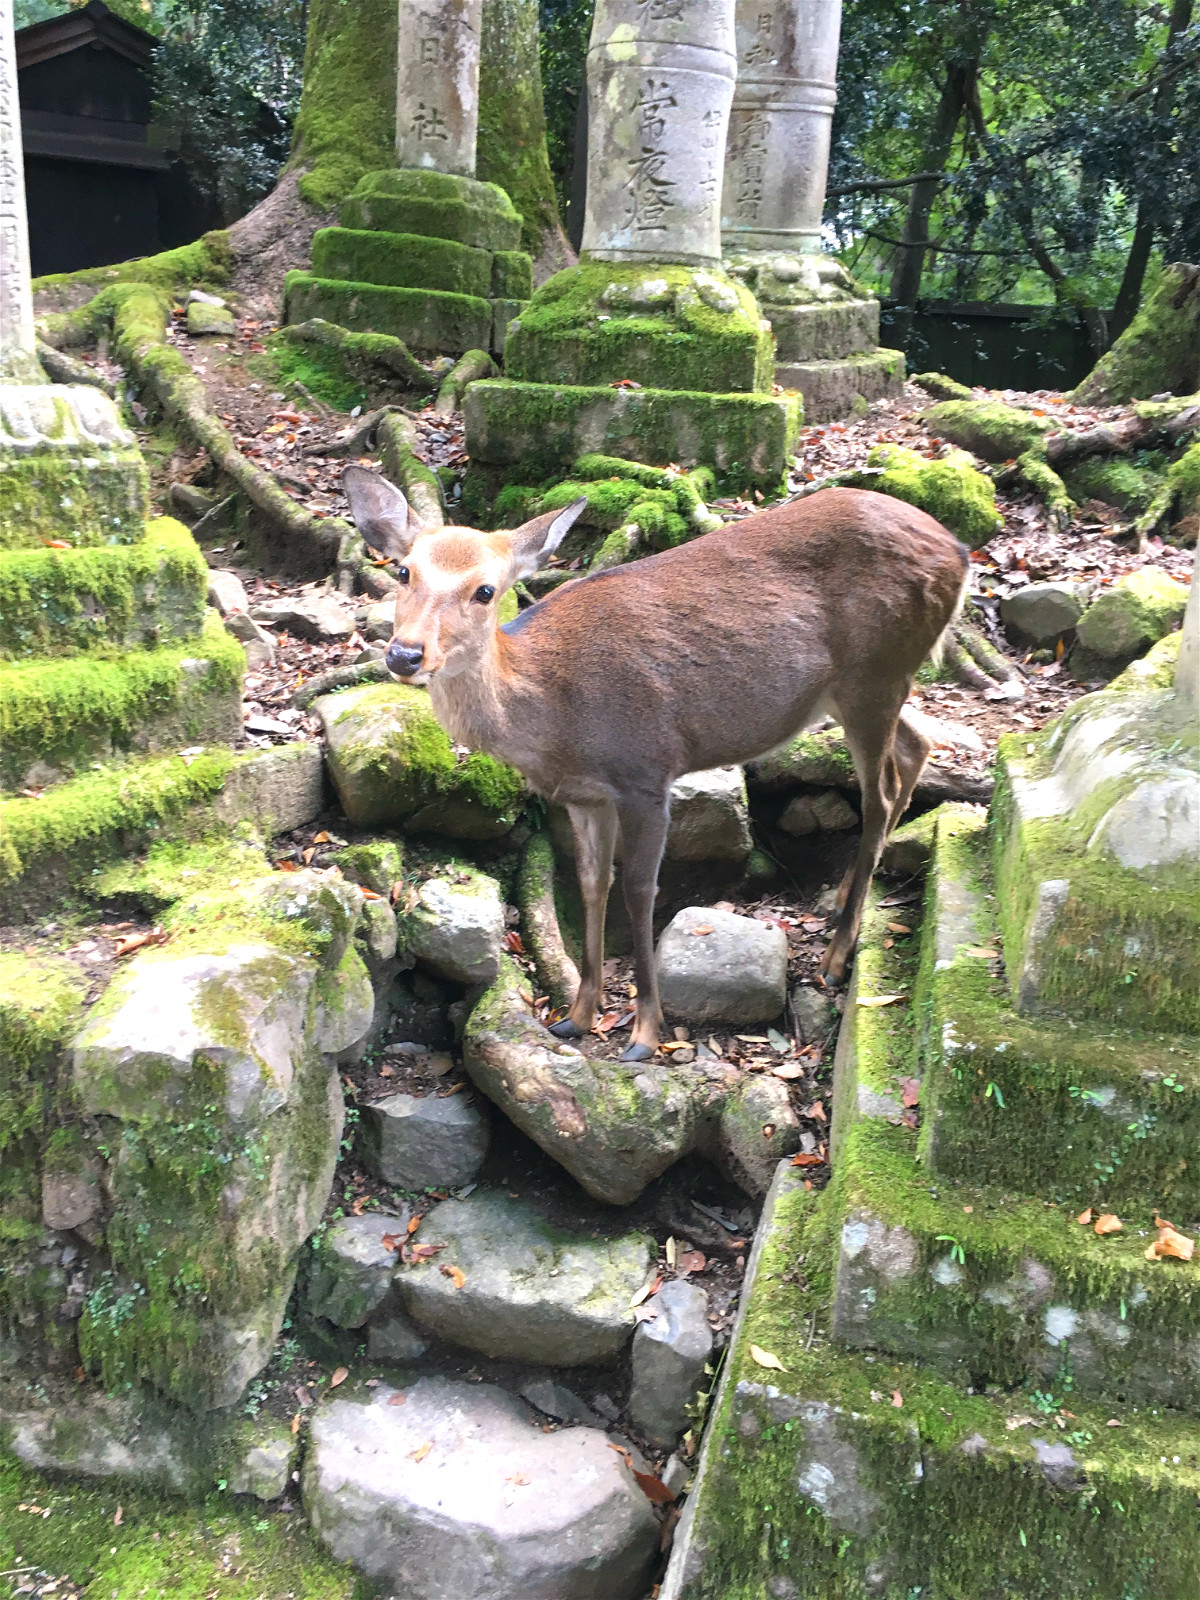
[421, 1451]
[897, 1399]
[457, 1274]
[910, 1091]
[1084, 1219]
[980, 951]
[120, 1517]
[296, 1423]
[699, 933]
[652, 1487]
[765, 1358]
[1107, 1222]
[397, 1399]
[899, 927]
[879, 999]
[1170, 1243]
[788, 1070]
[322, 838]
[339, 1376]
[691, 1261]
[805, 1160]
[413, 1224]
[817, 1111]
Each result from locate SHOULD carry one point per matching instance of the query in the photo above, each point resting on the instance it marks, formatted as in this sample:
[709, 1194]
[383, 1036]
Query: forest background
[1045, 152]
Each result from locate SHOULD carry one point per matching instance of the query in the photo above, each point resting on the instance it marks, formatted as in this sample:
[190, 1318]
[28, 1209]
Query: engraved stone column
[660, 84]
[437, 84]
[778, 150]
[18, 362]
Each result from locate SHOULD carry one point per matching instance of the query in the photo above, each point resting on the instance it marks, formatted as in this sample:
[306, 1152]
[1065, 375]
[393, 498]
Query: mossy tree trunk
[1158, 352]
[511, 150]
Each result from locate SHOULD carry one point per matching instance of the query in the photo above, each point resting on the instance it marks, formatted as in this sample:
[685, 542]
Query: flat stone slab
[835, 388]
[457, 1493]
[529, 1290]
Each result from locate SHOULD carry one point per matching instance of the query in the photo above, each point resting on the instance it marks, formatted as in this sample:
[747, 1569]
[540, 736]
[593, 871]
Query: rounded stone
[431, 1142]
[669, 1355]
[715, 966]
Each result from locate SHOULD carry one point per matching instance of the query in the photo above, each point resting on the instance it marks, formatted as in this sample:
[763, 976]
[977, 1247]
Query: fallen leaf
[397, 1399]
[670, 1251]
[339, 1376]
[699, 933]
[1017, 1422]
[764, 1358]
[120, 1517]
[645, 1292]
[803, 1160]
[421, 1451]
[1084, 1218]
[879, 999]
[1108, 1223]
[652, 1487]
[512, 941]
[1170, 1243]
[369, 894]
[817, 1112]
[57, 544]
[981, 951]
[898, 927]
[449, 1270]
[322, 838]
[897, 1399]
[644, 1313]
[392, 1241]
[414, 1253]
[788, 1070]
[691, 1261]
[296, 1423]
[910, 1091]
[518, 1480]
[139, 941]
[413, 1224]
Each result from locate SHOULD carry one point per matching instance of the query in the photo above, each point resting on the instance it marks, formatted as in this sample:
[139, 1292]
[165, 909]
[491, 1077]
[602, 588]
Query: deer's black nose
[404, 659]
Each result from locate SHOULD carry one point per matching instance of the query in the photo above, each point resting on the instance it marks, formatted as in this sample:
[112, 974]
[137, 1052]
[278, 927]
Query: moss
[512, 275]
[65, 712]
[171, 867]
[41, 1006]
[541, 428]
[429, 320]
[597, 323]
[1117, 481]
[377, 864]
[1159, 350]
[1125, 619]
[207, 261]
[435, 205]
[822, 758]
[57, 602]
[941, 387]
[949, 487]
[401, 260]
[346, 122]
[344, 360]
[1155, 670]
[511, 145]
[988, 428]
[321, 371]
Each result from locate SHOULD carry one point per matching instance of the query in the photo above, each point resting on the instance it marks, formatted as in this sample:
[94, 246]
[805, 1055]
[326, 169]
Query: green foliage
[566, 25]
[346, 121]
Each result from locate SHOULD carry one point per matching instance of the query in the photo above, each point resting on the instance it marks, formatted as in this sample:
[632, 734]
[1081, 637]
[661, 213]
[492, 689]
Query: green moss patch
[512, 275]
[664, 327]
[61, 713]
[541, 429]
[346, 123]
[58, 602]
[949, 487]
[402, 261]
[209, 260]
[988, 428]
[436, 205]
[41, 1007]
[429, 320]
[1117, 481]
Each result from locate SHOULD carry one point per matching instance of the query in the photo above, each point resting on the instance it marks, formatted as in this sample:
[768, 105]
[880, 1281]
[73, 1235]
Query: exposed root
[557, 973]
[339, 678]
[469, 368]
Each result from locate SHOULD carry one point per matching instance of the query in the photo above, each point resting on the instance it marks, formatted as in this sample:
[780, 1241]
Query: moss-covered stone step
[69, 469]
[846, 385]
[56, 715]
[1097, 859]
[543, 428]
[431, 321]
[1088, 1113]
[512, 275]
[847, 1474]
[56, 844]
[667, 327]
[402, 261]
[437, 205]
[59, 602]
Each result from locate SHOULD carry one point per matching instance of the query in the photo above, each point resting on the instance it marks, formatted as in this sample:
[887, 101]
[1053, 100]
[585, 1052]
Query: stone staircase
[969, 1368]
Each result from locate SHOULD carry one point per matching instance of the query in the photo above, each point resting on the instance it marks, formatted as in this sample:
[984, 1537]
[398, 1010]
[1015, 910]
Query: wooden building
[99, 185]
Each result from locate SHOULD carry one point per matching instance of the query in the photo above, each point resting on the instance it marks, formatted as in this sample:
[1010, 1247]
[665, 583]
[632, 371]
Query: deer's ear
[535, 542]
[381, 513]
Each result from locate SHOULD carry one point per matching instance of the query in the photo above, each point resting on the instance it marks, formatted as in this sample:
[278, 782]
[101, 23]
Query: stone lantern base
[826, 331]
[69, 470]
[428, 257]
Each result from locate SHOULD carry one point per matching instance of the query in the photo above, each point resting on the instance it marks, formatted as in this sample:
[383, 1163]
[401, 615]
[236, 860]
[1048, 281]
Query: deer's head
[451, 579]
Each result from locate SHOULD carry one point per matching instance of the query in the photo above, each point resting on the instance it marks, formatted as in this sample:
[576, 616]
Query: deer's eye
[403, 575]
[484, 593]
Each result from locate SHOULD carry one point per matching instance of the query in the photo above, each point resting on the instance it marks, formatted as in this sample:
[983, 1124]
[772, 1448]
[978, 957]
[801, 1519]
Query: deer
[709, 654]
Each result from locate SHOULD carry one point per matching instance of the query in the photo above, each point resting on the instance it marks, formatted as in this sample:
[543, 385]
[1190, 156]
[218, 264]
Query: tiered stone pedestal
[980, 1393]
[428, 257]
[826, 332]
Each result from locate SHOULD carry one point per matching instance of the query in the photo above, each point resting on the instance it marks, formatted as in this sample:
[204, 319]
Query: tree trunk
[1160, 349]
[910, 260]
[1130, 294]
[511, 150]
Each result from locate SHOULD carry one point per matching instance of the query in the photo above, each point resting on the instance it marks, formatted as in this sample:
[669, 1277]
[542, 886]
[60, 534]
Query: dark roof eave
[91, 24]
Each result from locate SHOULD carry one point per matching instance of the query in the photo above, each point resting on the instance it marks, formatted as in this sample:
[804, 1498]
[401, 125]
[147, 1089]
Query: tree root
[339, 678]
[557, 973]
[469, 368]
[362, 351]
[63, 368]
[998, 667]
[398, 450]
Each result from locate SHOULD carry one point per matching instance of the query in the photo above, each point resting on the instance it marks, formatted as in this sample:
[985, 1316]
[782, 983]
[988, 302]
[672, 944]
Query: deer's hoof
[637, 1052]
[566, 1029]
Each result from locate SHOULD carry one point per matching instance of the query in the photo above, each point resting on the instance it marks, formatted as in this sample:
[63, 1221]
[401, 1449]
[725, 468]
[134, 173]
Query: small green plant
[957, 1253]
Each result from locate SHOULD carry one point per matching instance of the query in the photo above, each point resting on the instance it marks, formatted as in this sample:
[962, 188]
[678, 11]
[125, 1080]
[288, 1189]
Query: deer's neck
[481, 708]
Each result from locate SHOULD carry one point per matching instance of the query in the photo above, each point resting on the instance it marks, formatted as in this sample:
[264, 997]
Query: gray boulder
[757, 1129]
[352, 1270]
[258, 644]
[827, 812]
[1126, 619]
[736, 972]
[262, 1464]
[1040, 613]
[204, 318]
[814, 1013]
[710, 817]
[669, 1356]
[324, 618]
[379, 930]
[458, 1495]
[426, 1143]
[393, 1337]
[227, 592]
[277, 789]
[456, 927]
[558, 1402]
[528, 1290]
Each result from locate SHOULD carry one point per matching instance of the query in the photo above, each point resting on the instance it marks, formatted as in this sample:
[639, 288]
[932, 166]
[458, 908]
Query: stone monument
[424, 251]
[647, 349]
[69, 470]
[777, 157]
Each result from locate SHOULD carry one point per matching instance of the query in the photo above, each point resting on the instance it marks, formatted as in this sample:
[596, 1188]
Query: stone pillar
[660, 84]
[437, 85]
[778, 151]
[18, 361]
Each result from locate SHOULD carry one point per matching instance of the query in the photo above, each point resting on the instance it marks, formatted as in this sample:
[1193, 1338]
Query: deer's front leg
[595, 830]
[643, 835]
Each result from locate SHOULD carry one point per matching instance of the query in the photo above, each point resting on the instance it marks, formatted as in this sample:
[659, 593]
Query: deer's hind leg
[643, 837]
[883, 770]
[911, 751]
[595, 830]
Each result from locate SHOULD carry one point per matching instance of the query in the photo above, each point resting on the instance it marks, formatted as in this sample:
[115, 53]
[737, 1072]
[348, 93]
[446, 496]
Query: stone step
[826, 1471]
[430, 321]
[60, 602]
[1084, 1112]
[437, 205]
[414, 261]
[59, 715]
[56, 843]
[1097, 857]
[845, 386]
